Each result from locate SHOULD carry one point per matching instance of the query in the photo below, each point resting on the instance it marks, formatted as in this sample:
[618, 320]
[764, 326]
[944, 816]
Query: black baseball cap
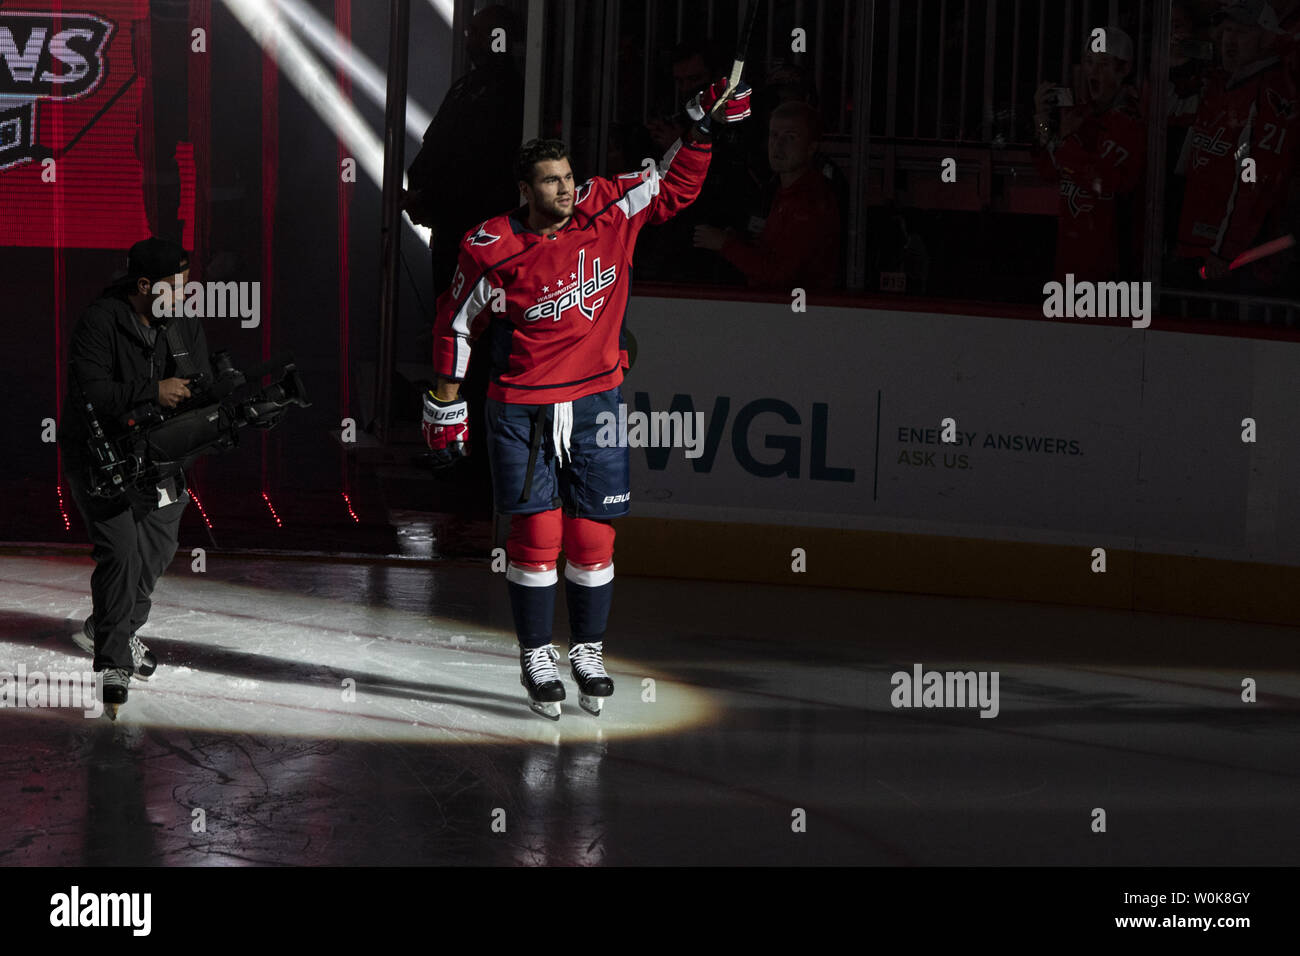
[156, 259]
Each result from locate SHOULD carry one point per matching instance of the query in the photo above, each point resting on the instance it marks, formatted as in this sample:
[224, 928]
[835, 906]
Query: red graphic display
[70, 95]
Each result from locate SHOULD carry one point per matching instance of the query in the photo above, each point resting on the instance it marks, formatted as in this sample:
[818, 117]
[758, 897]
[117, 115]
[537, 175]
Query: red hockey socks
[588, 577]
[533, 549]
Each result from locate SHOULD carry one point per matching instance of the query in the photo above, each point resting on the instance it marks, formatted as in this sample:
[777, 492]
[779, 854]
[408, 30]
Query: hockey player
[1096, 157]
[544, 288]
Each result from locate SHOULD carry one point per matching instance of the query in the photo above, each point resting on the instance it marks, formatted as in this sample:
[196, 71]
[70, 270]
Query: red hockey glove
[736, 108]
[446, 429]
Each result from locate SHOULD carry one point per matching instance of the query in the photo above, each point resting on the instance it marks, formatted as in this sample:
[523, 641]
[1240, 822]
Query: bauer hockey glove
[446, 429]
[701, 106]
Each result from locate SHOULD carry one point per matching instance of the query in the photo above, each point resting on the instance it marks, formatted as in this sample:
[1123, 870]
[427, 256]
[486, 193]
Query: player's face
[551, 193]
[1104, 74]
[1241, 45]
[790, 147]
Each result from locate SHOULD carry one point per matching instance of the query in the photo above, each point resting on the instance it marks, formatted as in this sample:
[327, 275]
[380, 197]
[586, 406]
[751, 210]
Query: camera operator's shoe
[141, 657]
[116, 681]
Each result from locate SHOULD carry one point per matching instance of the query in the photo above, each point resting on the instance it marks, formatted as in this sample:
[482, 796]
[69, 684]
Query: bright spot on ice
[238, 659]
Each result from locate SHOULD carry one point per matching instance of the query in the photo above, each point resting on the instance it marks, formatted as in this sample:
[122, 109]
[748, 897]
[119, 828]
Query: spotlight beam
[369, 78]
[443, 7]
[314, 83]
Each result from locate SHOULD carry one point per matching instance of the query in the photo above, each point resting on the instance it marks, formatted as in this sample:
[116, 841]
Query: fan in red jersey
[1240, 154]
[545, 288]
[1097, 158]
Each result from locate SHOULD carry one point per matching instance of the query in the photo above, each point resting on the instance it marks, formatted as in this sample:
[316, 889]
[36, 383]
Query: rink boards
[824, 431]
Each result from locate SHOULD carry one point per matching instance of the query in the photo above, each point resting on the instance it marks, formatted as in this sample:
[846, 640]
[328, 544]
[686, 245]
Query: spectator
[463, 174]
[1097, 155]
[788, 82]
[799, 243]
[464, 171]
[1249, 111]
[1190, 55]
[730, 193]
[1288, 15]
[628, 147]
[695, 64]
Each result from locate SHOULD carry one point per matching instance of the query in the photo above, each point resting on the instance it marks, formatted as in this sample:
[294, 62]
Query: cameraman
[122, 357]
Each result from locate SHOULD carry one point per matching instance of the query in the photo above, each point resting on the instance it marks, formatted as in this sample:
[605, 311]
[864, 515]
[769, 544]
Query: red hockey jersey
[1094, 166]
[552, 307]
[800, 243]
[1253, 114]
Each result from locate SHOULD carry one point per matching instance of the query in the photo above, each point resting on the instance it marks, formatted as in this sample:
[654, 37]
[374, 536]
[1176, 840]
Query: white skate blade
[548, 709]
[110, 711]
[591, 705]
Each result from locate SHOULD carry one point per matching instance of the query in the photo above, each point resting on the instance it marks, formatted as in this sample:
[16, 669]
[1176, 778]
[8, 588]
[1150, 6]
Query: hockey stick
[738, 64]
[1262, 251]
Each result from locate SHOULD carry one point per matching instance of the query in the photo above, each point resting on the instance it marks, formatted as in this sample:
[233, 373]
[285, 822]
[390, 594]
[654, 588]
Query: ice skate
[539, 676]
[587, 663]
[116, 681]
[141, 657]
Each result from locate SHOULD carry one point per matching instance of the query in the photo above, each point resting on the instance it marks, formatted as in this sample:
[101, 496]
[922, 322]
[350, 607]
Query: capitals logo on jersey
[44, 56]
[578, 294]
[1282, 108]
[482, 237]
[1206, 146]
[1076, 197]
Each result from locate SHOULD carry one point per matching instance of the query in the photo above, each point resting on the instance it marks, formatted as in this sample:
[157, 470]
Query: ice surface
[766, 701]
[290, 660]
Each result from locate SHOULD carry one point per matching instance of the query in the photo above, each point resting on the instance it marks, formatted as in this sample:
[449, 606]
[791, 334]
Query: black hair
[536, 151]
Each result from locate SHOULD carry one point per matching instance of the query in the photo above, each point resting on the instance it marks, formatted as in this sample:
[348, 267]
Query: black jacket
[464, 172]
[116, 369]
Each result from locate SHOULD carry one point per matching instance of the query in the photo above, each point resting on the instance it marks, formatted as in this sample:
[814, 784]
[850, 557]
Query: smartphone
[1060, 96]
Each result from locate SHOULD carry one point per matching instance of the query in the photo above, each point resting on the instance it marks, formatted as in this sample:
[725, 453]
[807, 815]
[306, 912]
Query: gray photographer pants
[133, 543]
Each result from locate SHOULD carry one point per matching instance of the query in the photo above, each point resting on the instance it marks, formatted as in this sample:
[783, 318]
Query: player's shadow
[50, 633]
[224, 660]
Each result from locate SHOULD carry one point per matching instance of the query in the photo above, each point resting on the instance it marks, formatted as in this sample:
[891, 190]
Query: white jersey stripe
[474, 303]
[638, 197]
